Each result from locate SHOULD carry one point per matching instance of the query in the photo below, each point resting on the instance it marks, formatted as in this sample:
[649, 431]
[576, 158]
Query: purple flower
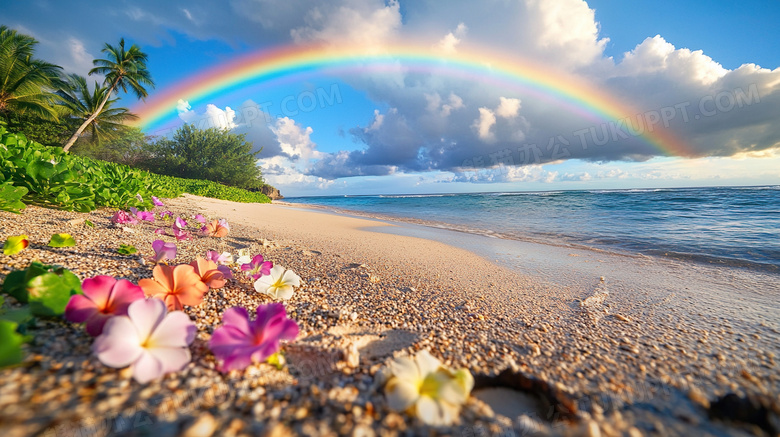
[121, 217]
[145, 215]
[166, 214]
[226, 272]
[240, 342]
[163, 251]
[134, 211]
[224, 258]
[156, 201]
[180, 234]
[160, 231]
[180, 223]
[200, 218]
[257, 268]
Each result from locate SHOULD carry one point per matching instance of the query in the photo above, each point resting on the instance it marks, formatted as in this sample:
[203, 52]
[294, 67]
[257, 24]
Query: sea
[729, 226]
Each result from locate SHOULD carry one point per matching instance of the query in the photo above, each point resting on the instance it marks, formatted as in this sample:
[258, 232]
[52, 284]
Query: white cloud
[656, 55]
[449, 43]
[483, 124]
[508, 108]
[212, 117]
[368, 23]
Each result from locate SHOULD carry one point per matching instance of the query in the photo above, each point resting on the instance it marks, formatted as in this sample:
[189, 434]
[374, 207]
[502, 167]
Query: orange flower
[217, 228]
[176, 286]
[208, 272]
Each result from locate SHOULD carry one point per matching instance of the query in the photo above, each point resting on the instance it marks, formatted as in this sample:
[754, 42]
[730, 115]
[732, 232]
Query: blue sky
[712, 65]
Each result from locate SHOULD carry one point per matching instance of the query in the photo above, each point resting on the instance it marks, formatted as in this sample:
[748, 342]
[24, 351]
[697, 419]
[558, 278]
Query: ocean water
[735, 226]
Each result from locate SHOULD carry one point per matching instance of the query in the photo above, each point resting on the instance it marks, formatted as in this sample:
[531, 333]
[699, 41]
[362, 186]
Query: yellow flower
[421, 386]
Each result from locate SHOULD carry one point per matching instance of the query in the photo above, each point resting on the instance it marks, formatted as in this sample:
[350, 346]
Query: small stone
[352, 356]
[353, 316]
[622, 318]
[204, 426]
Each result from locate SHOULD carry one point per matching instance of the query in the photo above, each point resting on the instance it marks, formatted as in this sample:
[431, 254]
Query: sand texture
[547, 360]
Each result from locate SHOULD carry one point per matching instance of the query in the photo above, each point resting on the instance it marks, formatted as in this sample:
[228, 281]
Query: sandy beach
[610, 352]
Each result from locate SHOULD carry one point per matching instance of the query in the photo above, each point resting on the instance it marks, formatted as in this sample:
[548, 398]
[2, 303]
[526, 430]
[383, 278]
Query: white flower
[243, 257]
[421, 386]
[279, 284]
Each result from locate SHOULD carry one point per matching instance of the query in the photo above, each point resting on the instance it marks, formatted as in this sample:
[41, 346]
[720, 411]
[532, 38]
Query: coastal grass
[31, 173]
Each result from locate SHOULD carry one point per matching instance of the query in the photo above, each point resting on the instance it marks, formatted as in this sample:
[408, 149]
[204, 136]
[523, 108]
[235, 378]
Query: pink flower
[200, 218]
[178, 229]
[257, 268]
[226, 272]
[166, 214]
[160, 231]
[180, 223]
[162, 251]
[240, 342]
[148, 338]
[156, 201]
[122, 217]
[145, 215]
[103, 298]
[224, 258]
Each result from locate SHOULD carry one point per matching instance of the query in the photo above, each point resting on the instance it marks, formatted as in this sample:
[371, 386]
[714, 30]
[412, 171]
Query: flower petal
[98, 289]
[122, 295]
[147, 368]
[427, 363]
[401, 394]
[96, 323]
[175, 330]
[146, 315]
[432, 412]
[406, 369]
[118, 345]
[79, 309]
[173, 359]
[290, 278]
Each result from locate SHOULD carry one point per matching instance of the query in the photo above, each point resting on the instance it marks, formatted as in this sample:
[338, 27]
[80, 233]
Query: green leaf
[49, 294]
[15, 244]
[46, 288]
[126, 249]
[89, 223]
[10, 198]
[62, 240]
[10, 344]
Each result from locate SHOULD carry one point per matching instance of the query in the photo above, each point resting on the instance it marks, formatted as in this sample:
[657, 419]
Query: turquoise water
[738, 226]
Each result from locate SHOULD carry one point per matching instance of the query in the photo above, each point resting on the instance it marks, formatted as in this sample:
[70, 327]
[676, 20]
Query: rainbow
[295, 62]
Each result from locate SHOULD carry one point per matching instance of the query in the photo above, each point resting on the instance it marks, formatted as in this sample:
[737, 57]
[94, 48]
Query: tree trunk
[89, 120]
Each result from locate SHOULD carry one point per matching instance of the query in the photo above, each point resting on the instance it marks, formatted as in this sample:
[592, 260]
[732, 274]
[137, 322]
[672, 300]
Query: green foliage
[11, 197]
[211, 154]
[62, 240]
[127, 249]
[47, 132]
[212, 189]
[129, 148]
[10, 344]
[15, 244]
[46, 288]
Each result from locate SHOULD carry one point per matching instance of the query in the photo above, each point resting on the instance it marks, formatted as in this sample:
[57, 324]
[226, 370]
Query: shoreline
[631, 358]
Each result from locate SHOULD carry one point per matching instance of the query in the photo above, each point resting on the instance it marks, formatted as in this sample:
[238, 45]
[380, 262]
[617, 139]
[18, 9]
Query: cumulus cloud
[450, 42]
[367, 23]
[483, 124]
[212, 117]
[508, 108]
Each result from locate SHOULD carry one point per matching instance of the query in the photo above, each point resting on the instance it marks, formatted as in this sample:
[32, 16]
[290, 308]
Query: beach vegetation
[26, 83]
[62, 240]
[212, 154]
[149, 339]
[127, 249]
[45, 288]
[79, 104]
[123, 69]
[15, 244]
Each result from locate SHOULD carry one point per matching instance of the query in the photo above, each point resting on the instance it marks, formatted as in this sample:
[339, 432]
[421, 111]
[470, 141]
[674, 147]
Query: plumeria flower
[162, 251]
[217, 228]
[103, 298]
[176, 286]
[145, 215]
[225, 258]
[278, 284]
[156, 201]
[151, 340]
[121, 217]
[226, 272]
[421, 386]
[180, 223]
[257, 268]
[209, 273]
[200, 218]
[180, 234]
[240, 342]
[243, 257]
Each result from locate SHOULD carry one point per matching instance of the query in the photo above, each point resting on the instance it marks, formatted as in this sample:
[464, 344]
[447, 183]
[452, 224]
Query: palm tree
[123, 69]
[80, 104]
[25, 82]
